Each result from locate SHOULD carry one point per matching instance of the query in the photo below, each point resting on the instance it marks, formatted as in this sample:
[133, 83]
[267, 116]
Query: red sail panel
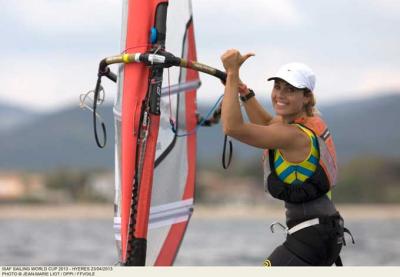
[191, 118]
[140, 19]
[164, 203]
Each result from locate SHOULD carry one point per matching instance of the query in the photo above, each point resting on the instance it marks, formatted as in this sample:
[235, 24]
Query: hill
[65, 138]
[12, 116]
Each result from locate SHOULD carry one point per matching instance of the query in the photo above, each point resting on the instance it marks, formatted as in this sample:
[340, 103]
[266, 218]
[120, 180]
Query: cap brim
[280, 78]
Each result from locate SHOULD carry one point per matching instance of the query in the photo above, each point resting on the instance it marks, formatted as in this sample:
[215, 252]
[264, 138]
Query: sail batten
[181, 87]
[170, 220]
[184, 204]
[170, 213]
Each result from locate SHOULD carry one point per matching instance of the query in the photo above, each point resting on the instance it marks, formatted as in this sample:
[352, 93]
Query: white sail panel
[168, 205]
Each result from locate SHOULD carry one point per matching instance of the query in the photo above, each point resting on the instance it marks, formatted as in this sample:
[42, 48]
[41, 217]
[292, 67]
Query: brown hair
[310, 108]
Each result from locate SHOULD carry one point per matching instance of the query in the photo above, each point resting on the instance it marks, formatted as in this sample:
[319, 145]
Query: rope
[174, 127]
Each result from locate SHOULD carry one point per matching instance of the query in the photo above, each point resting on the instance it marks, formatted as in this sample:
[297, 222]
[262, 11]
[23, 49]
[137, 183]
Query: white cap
[297, 74]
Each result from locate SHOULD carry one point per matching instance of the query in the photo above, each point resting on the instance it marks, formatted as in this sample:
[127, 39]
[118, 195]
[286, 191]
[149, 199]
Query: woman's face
[287, 100]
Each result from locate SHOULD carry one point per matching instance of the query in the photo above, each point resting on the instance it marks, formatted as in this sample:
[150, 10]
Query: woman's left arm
[276, 135]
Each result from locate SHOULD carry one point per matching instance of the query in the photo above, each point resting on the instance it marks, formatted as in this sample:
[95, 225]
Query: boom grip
[104, 70]
[110, 75]
[220, 75]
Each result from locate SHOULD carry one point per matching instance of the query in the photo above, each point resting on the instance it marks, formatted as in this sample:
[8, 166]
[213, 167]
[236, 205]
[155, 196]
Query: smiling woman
[300, 160]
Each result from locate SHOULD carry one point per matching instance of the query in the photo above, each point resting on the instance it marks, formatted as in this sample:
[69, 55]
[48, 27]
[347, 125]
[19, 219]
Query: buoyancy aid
[291, 172]
[324, 176]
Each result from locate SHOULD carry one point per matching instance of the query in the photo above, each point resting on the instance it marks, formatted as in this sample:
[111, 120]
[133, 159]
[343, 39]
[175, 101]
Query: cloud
[51, 49]
[389, 8]
[383, 79]
[255, 11]
[44, 26]
[48, 85]
[221, 16]
[62, 16]
[343, 81]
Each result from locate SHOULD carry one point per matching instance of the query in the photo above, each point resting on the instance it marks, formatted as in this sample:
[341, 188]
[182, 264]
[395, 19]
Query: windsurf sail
[155, 122]
[155, 169]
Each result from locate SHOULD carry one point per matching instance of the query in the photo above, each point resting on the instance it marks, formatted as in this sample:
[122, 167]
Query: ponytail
[310, 108]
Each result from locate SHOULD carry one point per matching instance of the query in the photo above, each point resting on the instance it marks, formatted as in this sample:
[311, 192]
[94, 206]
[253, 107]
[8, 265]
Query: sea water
[208, 242]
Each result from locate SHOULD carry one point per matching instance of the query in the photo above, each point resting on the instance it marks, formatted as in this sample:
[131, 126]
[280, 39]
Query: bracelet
[247, 96]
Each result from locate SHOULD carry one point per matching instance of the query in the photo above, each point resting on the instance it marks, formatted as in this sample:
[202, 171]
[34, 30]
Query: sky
[50, 49]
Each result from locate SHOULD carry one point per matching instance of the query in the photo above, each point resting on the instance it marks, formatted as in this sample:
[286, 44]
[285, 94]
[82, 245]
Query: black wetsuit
[317, 245]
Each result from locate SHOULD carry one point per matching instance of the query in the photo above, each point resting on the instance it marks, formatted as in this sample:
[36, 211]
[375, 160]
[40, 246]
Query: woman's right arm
[255, 112]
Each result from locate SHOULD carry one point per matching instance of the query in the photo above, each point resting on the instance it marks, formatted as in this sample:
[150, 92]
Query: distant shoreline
[201, 211]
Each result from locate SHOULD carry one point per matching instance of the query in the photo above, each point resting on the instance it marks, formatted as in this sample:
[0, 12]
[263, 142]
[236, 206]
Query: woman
[301, 159]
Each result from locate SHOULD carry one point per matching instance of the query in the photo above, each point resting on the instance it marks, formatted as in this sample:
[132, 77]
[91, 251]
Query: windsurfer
[300, 160]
